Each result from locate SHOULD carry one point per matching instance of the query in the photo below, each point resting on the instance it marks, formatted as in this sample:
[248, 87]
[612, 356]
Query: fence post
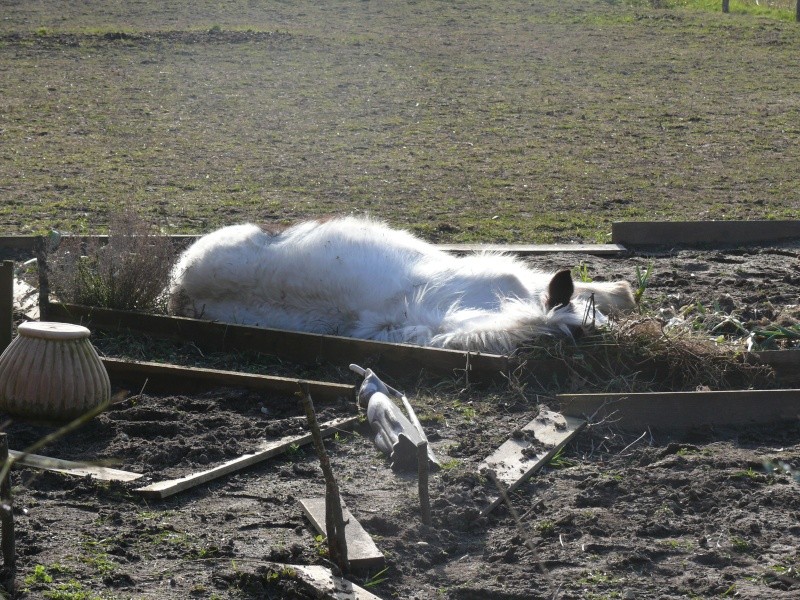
[6, 303]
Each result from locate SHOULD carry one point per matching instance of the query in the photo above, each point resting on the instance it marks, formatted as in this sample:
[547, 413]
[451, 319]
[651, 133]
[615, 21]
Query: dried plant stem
[334, 519]
[422, 471]
[7, 543]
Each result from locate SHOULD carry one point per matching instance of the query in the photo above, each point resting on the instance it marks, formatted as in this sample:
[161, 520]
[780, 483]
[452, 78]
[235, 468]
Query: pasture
[495, 121]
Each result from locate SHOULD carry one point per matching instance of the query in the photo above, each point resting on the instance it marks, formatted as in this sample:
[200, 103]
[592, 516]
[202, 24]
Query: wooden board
[362, 553]
[163, 489]
[6, 303]
[535, 249]
[324, 584]
[785, 363]
[702, 233]
[519, 457]
[157, 377]
[31, 242]
[684, 410]
[393, 359]
[77, 469]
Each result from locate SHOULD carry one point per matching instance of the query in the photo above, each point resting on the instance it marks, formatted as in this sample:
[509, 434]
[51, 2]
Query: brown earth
[622, 515]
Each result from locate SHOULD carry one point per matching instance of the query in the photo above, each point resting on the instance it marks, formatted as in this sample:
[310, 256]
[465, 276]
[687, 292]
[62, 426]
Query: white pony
[357, 277]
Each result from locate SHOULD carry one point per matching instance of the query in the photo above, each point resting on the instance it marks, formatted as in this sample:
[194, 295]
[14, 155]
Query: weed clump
[640, 355]
[130, 271]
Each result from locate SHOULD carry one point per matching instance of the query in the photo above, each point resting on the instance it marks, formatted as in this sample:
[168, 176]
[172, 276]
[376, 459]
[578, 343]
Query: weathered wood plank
[29, 242]
[519, 457]
[77, 469]
[324, 584]
[157, 377]
[163, 489]
[395, 359]
[685, 410]
[702, 233]
[6, 303]
[362, 553]
[536, 249]
[785, 363]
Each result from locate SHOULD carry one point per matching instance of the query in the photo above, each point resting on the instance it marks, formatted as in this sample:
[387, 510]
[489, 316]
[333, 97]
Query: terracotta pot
[51, 372]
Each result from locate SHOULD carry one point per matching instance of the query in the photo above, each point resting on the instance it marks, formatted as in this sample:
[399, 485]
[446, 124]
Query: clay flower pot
[51, 372]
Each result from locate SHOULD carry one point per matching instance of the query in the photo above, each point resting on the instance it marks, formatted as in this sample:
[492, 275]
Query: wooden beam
[399, 360]
[785, 363]
[6, 303]
[321, 582]
[536, 249]
[362, 553]
[514, 462]
[78, 469]
[265, 450]
[29, 242]
[685, 410]
[703, 233]
[157, 377]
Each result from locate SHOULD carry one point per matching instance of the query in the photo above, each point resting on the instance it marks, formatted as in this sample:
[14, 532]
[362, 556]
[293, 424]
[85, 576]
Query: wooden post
[422, 471]
[44, 281]
[725, 6]
[6, 303]
[334, 520]
[6, 519]
[797, 12]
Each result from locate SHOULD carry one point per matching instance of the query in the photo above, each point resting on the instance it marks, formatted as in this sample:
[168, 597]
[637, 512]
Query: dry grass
[129, 272]
[639, 355]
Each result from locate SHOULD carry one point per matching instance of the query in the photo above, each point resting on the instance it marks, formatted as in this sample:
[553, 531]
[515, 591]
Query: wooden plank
[163, 489]
[684, 410]
[702, 233]
[157, 377]
[394, 359]
[322, 582]
[29, 242]
[536, 249]
[6, 303]
[520, 457]
[362, 553]
[785, 363]
[77, 469]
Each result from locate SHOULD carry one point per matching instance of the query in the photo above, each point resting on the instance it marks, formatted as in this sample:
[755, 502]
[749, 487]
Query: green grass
[498, 121]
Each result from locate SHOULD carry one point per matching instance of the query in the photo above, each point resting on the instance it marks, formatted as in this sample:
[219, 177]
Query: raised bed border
[703, 233]
[399, 360]
[684, 410]
[33, 242]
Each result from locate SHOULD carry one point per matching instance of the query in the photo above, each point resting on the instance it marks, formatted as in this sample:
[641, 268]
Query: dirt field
[667, 515]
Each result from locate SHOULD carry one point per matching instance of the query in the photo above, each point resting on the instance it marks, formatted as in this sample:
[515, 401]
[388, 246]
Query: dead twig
[334, 520]
[7, 543]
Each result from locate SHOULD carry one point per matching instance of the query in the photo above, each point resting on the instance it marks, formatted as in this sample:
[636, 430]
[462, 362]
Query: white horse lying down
[356, 277]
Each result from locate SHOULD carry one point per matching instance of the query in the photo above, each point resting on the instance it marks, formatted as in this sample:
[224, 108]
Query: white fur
[356, 277]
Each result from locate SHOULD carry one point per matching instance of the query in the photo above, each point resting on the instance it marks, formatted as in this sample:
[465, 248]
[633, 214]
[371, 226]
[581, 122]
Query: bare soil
[624, 514]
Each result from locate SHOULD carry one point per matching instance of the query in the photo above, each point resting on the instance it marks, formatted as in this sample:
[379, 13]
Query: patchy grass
[496, 121]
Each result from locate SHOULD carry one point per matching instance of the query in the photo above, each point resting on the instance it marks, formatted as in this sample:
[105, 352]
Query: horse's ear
[560, 289]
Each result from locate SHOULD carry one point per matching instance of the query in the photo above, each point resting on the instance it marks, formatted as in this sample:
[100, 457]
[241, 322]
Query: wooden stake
[6, 303]
[422, 471]
[44, 281]
[6, 519]
[334, 520]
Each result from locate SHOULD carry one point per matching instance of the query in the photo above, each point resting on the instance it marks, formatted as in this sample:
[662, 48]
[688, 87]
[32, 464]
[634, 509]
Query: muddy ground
[692, 514]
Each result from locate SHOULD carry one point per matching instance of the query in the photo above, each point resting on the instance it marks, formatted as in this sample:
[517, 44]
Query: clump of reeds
[129, 271]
